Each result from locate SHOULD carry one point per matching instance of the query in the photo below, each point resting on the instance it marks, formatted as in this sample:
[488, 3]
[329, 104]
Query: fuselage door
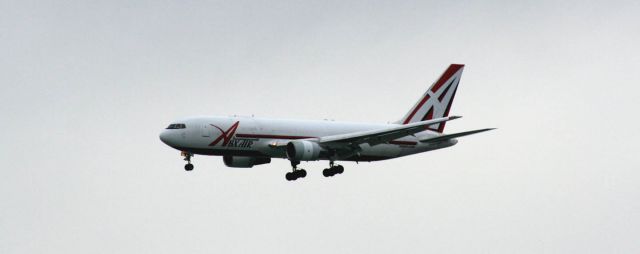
[206, 130]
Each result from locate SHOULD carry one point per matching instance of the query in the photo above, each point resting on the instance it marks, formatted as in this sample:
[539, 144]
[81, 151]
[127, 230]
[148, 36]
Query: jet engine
[244, 161]
[301, 150]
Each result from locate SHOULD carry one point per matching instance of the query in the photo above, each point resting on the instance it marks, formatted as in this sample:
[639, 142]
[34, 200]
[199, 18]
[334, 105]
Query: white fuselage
[259, 137]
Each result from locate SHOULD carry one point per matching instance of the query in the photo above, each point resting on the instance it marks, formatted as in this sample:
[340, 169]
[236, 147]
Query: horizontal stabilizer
[453, 135]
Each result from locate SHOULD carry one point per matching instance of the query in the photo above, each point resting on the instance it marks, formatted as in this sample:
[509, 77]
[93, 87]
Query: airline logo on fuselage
[228, 140]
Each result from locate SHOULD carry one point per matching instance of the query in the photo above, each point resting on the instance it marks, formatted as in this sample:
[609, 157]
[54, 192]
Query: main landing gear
[301, 173]
[187, 157]
[332, 170]
[296, 173]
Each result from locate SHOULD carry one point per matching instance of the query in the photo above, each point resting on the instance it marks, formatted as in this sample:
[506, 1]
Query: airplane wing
[375, 137]
[453, 135]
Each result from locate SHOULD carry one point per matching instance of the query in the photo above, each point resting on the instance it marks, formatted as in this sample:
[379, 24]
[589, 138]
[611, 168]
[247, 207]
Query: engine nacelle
[301, 150]
[244, 161]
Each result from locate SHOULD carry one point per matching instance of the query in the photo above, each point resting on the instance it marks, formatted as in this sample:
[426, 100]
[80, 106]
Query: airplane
[244, 142]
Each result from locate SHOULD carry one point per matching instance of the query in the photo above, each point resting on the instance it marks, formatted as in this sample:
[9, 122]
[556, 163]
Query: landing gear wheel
[332, 170]
[289, 176]
[187, 157]
[327, 172]
[296, 173]
[292, 176]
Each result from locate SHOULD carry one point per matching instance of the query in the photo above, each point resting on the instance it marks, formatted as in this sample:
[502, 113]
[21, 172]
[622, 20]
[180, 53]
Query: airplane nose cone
[172, 138]
[164, 137]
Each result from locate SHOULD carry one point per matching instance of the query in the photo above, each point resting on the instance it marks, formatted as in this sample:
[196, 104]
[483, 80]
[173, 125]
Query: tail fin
[436, 102]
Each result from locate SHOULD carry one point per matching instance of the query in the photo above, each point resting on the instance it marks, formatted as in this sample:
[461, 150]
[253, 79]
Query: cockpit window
[177, 126]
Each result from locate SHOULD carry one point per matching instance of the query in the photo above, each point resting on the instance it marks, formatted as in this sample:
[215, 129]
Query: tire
[326, 172]
[339, 169]
[289, 176]
[302, 173]
[188, 167]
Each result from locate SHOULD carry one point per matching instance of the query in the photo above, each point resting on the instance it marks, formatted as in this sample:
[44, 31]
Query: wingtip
[454, 117]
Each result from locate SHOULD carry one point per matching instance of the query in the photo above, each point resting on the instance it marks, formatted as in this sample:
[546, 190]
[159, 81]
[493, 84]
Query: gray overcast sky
[86, 86]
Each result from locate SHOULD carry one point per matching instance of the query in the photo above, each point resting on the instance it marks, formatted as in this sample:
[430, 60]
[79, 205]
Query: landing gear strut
[332, 170]
[296, 173]
[187, 157]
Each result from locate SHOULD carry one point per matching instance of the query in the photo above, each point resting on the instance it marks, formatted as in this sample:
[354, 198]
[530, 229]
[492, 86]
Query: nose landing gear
[187, 157]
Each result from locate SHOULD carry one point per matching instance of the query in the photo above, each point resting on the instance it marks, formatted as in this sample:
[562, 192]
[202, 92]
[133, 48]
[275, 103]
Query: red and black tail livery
[436, 102]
